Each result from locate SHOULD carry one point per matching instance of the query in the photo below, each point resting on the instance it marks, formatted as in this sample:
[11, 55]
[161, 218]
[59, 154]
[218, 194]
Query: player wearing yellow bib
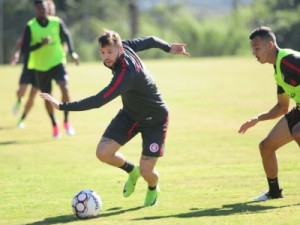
[27, 76]
[286, 63]
[43, 39]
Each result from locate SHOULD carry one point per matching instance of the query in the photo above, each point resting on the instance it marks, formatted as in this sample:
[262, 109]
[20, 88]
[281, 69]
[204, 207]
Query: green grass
[208, 173]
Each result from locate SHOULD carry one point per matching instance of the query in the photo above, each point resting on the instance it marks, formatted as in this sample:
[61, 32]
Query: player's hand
[55, 103]
[46, 40]
[250, 123]
[75, 58]
[15, 58]
[179, 49]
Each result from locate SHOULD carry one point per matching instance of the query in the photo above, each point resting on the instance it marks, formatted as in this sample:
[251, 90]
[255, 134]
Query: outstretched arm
[144, 43]
[66, 37]
[54, 102]
[279, 109]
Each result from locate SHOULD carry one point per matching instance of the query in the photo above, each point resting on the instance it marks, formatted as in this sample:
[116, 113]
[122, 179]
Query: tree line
[223, 34]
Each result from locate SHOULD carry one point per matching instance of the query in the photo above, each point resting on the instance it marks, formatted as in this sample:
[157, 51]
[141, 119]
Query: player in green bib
[43, 38]
[286, 63]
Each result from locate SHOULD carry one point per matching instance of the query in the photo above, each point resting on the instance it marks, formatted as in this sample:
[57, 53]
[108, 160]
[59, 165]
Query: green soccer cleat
[129, 186]
[151, 197]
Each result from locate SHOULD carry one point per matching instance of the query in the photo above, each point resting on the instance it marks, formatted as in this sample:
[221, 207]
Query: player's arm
[27, 48]
[119, 84]
[16, 56]
[144, 43]
[279, 109]
[66, 37]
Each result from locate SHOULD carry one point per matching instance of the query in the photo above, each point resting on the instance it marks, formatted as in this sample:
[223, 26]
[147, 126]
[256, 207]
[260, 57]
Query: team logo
[154, 147]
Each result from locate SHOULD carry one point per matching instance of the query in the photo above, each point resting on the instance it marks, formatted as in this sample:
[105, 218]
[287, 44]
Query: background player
[286, 63]
[27, 76]
[43, 38]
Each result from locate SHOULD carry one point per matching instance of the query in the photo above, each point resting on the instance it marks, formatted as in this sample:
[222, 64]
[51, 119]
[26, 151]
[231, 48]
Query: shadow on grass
[225, 210]
[55, 220]
[8, 142]
[117, 211]
[72, 218]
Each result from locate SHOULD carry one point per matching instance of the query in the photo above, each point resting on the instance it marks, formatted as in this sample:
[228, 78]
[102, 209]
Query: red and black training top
[133, 82]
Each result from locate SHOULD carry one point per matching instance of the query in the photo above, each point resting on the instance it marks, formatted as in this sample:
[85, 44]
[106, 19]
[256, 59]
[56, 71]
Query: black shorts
[44, 79]
[28, 77]
[122, 129]
[292, 117]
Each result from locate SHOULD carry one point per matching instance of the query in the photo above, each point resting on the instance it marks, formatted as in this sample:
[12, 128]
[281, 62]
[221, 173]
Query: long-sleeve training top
[133, 82]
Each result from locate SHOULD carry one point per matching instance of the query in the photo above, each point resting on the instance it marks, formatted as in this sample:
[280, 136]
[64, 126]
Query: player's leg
[23, 83]
[44, 83]
[20, 93]
[153, 148]
[107, 152]
[30, 100]
[28, 106]
[150, 175]
[61, 77]
[120, 131]
[25, 79]
[278, 136]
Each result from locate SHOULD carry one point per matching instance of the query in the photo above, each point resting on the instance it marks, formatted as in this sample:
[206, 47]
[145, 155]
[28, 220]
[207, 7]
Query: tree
[134, 17]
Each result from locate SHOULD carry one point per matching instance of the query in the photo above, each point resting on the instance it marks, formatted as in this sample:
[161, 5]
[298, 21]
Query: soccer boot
[267, 196]
[69, 129]
[129, 186]
[151, 196]
[21, 123]
[55, 132]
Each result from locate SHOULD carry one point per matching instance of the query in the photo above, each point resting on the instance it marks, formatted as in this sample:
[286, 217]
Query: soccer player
[43, 39]
[286, 63]
[144, 111]
[27, 76]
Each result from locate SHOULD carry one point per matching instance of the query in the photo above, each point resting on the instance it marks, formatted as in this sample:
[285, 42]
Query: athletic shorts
[292, 117]
[28, 77]
[44, 79]
[122, 129]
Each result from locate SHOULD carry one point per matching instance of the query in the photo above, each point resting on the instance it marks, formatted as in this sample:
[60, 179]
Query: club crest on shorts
[154, 147]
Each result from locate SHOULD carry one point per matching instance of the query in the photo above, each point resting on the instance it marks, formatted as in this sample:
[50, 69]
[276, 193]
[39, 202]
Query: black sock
[23, 116]
[53, 121]
[128, 167]
[273, 186]
[152, 188]
[66, 115]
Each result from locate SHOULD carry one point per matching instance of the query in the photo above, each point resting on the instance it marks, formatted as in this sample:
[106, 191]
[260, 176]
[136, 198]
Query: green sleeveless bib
[50, 55]
[291, 91]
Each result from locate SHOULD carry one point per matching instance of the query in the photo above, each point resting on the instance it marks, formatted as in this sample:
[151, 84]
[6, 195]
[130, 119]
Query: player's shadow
[72, 218]
[117, 211]
[55, 220]
[8, 142]
[225, 210]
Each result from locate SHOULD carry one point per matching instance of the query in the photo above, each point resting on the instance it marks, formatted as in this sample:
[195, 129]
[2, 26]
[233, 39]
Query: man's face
[261, 49]
[41, 10]
[109, 54]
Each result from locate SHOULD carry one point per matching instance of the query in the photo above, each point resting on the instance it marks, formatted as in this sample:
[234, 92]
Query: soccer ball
[86, 204]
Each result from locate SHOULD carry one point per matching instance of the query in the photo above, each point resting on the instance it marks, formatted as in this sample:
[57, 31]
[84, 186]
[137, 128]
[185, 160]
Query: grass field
[208, 173]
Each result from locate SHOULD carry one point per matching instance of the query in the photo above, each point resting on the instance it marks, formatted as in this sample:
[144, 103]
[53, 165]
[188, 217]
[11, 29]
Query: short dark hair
[36, 2]
[109, 38]
[265, 33]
